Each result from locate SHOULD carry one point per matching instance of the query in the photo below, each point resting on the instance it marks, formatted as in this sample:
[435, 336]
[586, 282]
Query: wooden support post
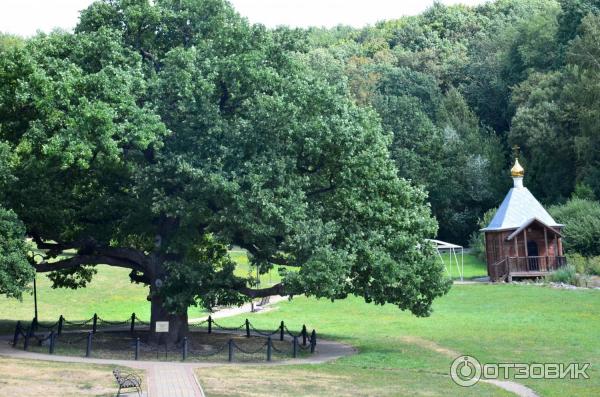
[61, 320]
[547, 251]
[281, 328]
[209, 324]
[247, 328]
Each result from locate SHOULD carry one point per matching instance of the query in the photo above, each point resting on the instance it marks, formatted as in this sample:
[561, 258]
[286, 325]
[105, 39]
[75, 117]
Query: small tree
[582, 225]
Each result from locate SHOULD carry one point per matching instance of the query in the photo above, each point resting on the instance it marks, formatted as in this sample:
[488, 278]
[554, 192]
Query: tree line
[459, 86]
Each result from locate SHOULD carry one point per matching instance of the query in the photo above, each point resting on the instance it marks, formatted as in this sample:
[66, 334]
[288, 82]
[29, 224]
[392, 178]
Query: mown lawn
[471, 265]
[45, 378]
[400, 354]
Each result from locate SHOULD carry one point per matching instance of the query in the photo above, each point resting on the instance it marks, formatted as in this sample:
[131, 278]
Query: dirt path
[510, 386]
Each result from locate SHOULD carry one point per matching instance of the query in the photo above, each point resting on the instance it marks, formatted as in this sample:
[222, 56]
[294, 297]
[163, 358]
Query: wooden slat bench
[128, 381]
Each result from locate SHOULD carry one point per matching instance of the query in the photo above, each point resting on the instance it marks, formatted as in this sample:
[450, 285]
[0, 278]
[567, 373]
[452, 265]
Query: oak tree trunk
[178, 323]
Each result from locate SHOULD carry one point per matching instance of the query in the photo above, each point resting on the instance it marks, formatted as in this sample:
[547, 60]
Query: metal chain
[262, 332]
[103, 321]
[214, 353]
[47, 326]
[290, 333]
[86, 322]
[229, 329]
[235, 345]
[275, 349]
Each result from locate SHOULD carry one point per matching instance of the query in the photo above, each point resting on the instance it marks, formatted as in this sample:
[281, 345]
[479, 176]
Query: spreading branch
[80, 260]
[277, 289]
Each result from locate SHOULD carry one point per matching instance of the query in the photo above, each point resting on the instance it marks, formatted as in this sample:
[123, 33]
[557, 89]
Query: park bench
[128, 381]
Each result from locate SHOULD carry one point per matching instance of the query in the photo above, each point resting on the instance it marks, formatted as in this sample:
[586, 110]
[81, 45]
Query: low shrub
[584, 265]
[593, 266]
[566, 274]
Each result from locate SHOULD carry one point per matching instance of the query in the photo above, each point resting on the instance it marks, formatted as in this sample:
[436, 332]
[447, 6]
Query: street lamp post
[35, 296]
[35, 305]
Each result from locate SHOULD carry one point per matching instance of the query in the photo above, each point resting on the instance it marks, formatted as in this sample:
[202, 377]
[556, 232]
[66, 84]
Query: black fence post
[132, 328]
[61, 320]
[17, 333]
[88, 347]
[313, 341]
[295, 348]
[304, 335]
[209, 324]
[230, 343]
[247, 328]
[33, 325]
[51, 348]
[185, 348]
[269, 348]
[281, 328]
[27, 336]
[95, 322]
[137, 348]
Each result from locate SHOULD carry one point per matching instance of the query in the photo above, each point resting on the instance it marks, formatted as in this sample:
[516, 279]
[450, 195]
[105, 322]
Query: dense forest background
[458, 86]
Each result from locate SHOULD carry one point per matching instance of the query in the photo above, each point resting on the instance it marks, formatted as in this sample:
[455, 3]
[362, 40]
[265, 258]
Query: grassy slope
[494, 323]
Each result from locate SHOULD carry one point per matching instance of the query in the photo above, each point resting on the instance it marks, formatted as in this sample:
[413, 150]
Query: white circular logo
[465, 371]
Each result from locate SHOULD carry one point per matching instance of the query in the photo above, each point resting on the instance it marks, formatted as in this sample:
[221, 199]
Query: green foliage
[72, 278]
[175, 128]
[566, 274]
[585, 265]
[477, 238]
[15, 270]
[583, 192]
[582, 226]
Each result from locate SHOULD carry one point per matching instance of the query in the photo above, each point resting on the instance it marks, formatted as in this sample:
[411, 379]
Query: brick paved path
[173, 381]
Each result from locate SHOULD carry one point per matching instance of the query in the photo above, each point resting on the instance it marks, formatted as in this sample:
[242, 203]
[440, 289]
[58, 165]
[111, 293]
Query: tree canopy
[157, 135]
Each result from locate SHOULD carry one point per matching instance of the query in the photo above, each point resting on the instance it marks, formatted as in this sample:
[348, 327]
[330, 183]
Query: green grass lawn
[400, 354]
[473, 267]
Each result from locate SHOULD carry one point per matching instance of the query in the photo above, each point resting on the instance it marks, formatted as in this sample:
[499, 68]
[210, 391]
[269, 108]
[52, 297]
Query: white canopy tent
[443, 248]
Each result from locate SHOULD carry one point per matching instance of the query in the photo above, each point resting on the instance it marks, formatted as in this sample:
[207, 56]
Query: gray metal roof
[519, 206]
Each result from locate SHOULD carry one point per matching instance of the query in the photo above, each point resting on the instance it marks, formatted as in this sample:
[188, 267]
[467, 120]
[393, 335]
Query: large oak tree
[157, 135]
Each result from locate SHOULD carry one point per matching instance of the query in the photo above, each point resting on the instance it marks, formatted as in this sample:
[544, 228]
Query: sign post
[163, 327]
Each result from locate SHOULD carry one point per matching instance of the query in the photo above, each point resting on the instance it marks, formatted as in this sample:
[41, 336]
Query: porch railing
[535, 264]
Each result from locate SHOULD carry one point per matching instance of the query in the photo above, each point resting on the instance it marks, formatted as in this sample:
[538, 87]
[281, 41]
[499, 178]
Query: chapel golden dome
[517, 170]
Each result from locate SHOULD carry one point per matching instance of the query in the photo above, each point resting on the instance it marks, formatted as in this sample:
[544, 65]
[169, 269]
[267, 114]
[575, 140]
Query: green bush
[593, 266]
[566, 274]
[579, 262]
[477, 239]
[582, 226]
